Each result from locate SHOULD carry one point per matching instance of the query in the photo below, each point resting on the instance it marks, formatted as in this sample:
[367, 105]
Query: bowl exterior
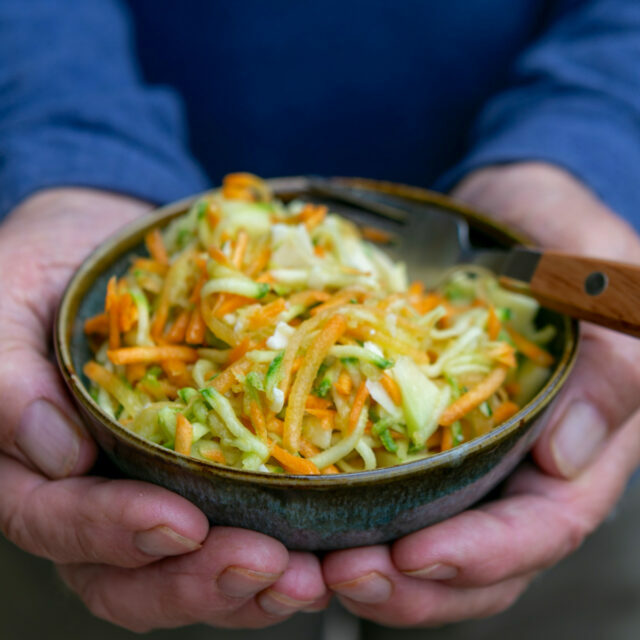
[346, 515]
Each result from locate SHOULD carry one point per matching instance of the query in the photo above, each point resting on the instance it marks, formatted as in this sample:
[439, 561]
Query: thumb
[37, 423]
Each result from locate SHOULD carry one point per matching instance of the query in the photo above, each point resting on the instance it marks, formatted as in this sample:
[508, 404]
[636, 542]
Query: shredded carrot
[230, 302]
[308, 297]
[273, 424]
[225, 380]
[111, 307]
[392, 388]
[504, 354]
[358, 405]
[132, 355]
[240, 249]
[150, 265]
[155, 246]
[493, 324]
[343, 384]
[319, 250]
[373, 234]
[314, 402]
[127, 312]
[161, 314]
[214, 455]
[213, 214]
[178, 328]
[219, 329]
[531, 350]
[135, 372]
[194, 298]
[258, 420]
[266, 314]
[177, 372]
[337, 300]
[426, 303]
[196, 329]
[239, 350]
[447, 439]
[505, 411]
[297, 363]
[259, 263]
[474, 397]
[320, 413]
[293, 463]
[97, 324]
[512, 388]
[184, 435]
[218, 256]
[303, 383]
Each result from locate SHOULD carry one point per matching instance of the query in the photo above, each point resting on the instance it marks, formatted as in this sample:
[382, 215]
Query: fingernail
[163, 541]
[239, 582]
[49, 439]
[372, 587]
[278, 604]
[434, 572]
[578, 438]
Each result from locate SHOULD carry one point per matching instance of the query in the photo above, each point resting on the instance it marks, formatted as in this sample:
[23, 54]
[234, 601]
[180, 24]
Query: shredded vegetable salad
[273, 337]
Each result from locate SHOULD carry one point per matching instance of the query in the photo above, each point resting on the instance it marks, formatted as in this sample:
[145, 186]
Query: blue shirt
[97, 92]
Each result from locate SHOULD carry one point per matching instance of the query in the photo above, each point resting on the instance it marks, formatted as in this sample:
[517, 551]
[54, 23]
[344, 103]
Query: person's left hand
[477, 563]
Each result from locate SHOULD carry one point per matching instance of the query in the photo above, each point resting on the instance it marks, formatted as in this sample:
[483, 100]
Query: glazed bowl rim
[130, 235]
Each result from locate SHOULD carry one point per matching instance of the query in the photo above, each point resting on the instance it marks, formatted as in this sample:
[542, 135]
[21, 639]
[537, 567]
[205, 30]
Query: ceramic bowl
[307, 512]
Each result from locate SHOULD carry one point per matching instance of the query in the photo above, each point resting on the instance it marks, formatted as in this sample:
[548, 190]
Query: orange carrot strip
[320, 413]
[147, 264]
[503, 354]
[373, 234]
[161, 314]
[447, 440]
[493, 324]
[97, 324]
[294, 464]
[242, 241]
[474, 397]
[111, 307]
[258, 420]
[219, 257]
[239, 350]
[427, 303]
[259, 263]
[303, 383]
[177, 372]
[194, 298]
[225, 380]
[531, 350]
[274, 425]
[343, 384]
[505, 411]
[314, 402]
[214, 456]
[178, 328]
[132, 355]
[512, 388]
[219, 329]
[358, 405]
[392, 388]
[344, 297]
[265, 314]
[155, 246]
[127, 312]
[184, 435]
[196, 329]
[308, 297]
[135, 372]
[230, 302]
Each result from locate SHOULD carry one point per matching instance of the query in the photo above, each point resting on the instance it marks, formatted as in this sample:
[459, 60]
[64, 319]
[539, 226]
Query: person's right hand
[138, 555]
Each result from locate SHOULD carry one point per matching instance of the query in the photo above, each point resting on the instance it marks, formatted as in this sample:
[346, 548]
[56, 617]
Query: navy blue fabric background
[417, 91]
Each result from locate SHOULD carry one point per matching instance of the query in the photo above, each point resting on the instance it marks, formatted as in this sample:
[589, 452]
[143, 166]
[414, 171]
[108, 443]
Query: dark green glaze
[327, 512]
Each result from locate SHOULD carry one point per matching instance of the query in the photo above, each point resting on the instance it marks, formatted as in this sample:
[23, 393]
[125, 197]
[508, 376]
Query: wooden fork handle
[600, 291]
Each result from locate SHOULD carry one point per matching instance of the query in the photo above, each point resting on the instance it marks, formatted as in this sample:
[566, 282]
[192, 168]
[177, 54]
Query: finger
[209, 585]
[37, 423]
[301, 586]
[119, 522]
[541, 521]
[601, 394]
[371, 587]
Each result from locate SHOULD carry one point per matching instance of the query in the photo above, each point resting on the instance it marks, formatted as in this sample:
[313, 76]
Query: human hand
[138, 555]
[477, 563]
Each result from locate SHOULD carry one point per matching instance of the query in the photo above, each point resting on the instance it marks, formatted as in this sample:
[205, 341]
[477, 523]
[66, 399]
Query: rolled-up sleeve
[75, 112]
[573, 100]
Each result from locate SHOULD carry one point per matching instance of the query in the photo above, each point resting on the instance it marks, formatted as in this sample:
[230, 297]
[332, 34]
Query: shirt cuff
[60, 157]
[598, 144]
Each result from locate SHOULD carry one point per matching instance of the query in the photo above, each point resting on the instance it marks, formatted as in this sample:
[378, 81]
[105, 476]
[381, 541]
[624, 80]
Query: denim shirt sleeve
[573, 100]
[75, 112]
